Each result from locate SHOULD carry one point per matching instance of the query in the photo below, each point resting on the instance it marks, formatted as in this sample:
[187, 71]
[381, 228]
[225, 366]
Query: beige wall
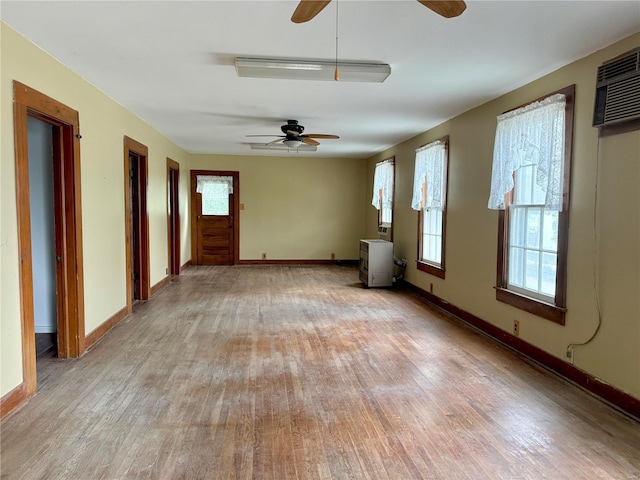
[614, 354]
[296, 208]
[103, 123]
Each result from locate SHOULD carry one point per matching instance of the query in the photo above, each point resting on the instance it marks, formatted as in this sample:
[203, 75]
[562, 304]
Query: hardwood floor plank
[282, 372]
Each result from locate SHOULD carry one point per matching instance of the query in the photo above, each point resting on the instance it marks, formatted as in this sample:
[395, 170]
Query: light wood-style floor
[300, 373]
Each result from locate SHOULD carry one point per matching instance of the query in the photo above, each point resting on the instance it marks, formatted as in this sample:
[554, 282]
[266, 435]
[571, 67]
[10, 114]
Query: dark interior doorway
[135, 217]
[137, 222]
[173, 220]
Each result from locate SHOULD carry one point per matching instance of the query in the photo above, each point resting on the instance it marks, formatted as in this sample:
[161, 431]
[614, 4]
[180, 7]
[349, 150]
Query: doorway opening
[137, 222]
[51, 190]
[43, 192]
[173, 216]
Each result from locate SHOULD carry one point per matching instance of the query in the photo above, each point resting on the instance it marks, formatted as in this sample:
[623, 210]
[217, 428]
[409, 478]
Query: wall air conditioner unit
[618, 90]
[384, 232]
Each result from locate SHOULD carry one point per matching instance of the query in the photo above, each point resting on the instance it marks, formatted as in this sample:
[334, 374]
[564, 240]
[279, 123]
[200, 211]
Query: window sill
[430, 269]
[539, 308]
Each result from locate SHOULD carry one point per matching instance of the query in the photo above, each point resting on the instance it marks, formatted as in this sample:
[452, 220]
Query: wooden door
[214, 217]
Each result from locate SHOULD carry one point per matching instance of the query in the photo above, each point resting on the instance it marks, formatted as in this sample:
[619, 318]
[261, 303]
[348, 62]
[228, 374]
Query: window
[530, 185]
[429, 198]
[533, 239]
[383, 185]
[215, 194]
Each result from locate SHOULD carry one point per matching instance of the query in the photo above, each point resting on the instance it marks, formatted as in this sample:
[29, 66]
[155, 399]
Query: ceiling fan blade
[279, 139]
[281, 136]
[446, 8]
[309, 141]
[307, 9]
[321, 135]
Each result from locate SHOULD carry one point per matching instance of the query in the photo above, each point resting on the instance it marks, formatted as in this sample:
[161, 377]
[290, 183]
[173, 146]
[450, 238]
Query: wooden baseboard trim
[120, 315]
[13, 400]
[107, 325]
[620, 400]
[160, 285]
[298, 262]
[186, 265]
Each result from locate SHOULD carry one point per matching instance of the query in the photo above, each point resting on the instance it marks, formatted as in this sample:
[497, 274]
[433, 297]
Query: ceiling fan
[307, 9]
[293, 136]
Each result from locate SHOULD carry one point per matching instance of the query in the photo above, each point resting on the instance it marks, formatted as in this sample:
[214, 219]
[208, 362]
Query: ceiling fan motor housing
[292, 126]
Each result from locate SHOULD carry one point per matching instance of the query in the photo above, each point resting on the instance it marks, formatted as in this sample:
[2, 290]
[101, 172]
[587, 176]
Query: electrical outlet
[516, 328]
[264, 256]
[166, 271]
[431, 288]
[570, 354]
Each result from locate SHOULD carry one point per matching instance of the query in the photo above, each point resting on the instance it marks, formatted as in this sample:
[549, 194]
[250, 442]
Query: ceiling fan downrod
[336, 74]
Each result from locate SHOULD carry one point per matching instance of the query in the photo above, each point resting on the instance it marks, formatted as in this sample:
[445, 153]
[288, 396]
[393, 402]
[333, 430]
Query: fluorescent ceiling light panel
[279, 146]
[301, 69]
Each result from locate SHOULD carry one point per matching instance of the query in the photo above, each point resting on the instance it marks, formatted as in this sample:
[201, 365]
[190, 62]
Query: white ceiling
[171, 62]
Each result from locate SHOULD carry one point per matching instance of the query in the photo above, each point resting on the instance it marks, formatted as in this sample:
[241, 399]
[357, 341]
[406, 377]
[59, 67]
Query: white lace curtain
[203, 180]
[429, 171]
[531, 135]
[383, 179]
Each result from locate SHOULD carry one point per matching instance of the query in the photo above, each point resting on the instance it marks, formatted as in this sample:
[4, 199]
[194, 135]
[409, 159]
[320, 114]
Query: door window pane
[215, 199]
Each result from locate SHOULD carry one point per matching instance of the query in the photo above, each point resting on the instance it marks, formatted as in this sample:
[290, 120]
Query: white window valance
[383, 179]
[531, 135]
[429, 171]
[203, 180]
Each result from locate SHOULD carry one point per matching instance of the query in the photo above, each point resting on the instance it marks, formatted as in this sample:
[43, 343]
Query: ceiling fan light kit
[294, 138]
[292, 143]
[306, 69]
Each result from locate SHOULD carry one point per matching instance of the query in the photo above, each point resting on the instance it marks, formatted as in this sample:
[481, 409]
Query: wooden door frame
[132, 146]
[236, 212]
[173, 242]
[68, 203]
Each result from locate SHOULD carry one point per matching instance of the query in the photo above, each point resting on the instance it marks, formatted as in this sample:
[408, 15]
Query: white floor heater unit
[376, 263]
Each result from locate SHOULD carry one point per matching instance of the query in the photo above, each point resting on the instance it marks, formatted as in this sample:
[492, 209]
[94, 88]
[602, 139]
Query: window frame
[391, 159]
[555, 311]
[437, 270]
